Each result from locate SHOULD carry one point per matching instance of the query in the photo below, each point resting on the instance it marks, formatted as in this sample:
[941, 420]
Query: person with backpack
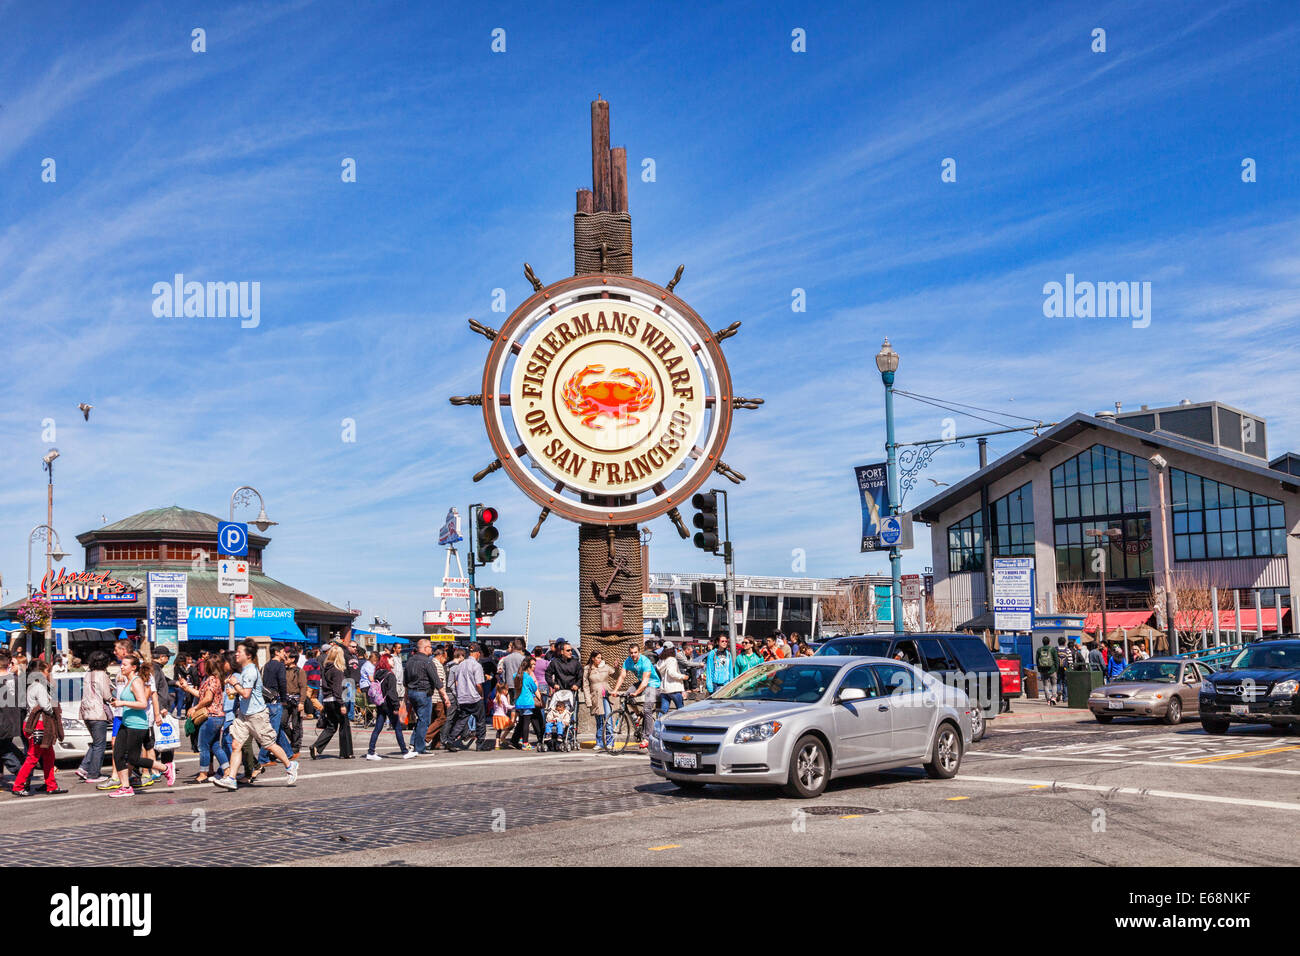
[1065, 657]
[382, 690]
[1046, 661]
[252, 722]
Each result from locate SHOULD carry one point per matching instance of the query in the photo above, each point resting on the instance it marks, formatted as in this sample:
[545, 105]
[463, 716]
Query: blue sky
[775, 170]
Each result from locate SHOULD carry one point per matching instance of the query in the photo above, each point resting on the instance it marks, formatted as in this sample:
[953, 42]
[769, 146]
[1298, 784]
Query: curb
[1058, 715]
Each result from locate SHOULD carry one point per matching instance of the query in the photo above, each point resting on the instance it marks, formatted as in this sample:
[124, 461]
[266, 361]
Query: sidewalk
[1036, 710]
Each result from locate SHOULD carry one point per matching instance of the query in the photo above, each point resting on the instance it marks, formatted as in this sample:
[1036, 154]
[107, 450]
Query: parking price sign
[1013, 594]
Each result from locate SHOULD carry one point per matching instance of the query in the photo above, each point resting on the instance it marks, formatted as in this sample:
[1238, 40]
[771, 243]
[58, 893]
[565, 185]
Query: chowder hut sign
[86, 587]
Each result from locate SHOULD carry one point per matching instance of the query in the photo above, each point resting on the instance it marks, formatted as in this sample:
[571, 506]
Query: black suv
[1260, 686]
[959, 660]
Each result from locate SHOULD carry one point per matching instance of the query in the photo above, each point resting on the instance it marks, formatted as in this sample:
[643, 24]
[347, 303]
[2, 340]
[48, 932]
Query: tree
[849, 611]
[1194, 608]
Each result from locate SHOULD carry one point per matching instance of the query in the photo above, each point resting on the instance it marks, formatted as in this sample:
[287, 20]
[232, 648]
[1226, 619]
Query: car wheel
[945, 754]
[809, 769]
[978, 725]
[1174, 713]
[1214, 726]
[1104, 718]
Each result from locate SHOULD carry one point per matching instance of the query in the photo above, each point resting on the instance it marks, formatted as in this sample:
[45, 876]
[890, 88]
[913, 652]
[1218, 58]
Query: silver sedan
[803, 722]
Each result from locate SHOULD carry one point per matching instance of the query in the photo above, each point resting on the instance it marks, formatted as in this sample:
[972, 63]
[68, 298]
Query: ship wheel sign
[607, 399]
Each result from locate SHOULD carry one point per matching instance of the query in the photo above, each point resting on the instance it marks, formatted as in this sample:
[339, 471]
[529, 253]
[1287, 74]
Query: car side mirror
[851, 694]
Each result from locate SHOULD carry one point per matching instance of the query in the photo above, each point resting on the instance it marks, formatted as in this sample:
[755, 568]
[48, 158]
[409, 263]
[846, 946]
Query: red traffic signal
[488, 515]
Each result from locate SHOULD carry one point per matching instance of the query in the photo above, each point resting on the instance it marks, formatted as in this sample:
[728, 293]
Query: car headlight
[755, 733]
[656, 728]
[1286, 688]
[1207, 688]
[1097, 694]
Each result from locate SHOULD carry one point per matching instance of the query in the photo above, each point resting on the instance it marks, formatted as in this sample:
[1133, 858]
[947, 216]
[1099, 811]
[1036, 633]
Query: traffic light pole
[728, 559]
[473, 593]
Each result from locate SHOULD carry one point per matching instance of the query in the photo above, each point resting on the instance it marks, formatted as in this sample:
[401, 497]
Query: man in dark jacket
[422, 683]
[11, 715]
[565, 672]
[275, 689]
[295, 683]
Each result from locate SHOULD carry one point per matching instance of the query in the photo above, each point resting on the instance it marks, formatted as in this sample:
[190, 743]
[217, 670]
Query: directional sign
[1013, 594]
[452, 594]
[232, 576]
[232, 538]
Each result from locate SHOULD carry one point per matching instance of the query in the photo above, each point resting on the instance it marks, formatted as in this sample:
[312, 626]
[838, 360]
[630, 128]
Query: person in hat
[672, 682]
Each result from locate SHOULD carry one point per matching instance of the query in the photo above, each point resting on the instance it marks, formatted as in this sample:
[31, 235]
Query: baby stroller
[568, 739]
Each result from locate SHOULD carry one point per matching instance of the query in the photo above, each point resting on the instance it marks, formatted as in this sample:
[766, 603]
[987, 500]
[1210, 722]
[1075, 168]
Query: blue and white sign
[873, 489]
[891, 531]
[1013, 594]
[449, 533]
[168, 590]
[232, 538]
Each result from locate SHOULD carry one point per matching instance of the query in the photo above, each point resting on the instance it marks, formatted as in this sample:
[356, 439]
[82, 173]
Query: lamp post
[261, 522]
[53, 550]
[887, 363]
[48, 459]
[1161, 464]
[1112, 534]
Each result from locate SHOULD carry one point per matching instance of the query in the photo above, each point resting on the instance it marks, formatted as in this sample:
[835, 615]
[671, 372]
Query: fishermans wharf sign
[86, 587]
[607, 399]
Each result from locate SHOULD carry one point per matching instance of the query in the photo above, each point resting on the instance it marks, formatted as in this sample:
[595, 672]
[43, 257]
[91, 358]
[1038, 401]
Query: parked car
[803, 722]
[1260, 686]
[1163, 687]
[959, 660]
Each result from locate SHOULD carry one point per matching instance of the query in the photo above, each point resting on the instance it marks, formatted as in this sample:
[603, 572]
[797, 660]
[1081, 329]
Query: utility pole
[728, 558]
[986, 521]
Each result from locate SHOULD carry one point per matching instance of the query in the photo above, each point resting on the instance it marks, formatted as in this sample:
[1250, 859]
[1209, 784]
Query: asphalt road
[1051, 794]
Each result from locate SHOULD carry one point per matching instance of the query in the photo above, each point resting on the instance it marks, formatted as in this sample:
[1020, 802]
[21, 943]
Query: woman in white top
[672, 680]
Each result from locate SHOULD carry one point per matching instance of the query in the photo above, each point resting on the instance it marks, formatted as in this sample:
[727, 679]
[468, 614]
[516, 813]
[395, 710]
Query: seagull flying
[937, 484]
[85, 409]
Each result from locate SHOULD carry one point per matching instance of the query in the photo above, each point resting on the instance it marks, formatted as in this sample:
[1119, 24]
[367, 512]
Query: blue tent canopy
[205, 628]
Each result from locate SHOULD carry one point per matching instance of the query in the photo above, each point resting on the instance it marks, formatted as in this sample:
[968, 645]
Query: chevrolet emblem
[687, 737]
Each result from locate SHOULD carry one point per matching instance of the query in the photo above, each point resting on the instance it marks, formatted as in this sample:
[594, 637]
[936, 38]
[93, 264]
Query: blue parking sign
[232, 538]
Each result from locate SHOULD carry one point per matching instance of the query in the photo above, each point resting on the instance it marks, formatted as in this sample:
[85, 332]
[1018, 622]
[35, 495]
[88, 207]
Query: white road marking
[1137, 792]
[1134, 763]
[395, 766]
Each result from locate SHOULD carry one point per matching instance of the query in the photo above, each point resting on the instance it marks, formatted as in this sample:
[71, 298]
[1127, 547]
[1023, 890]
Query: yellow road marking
[666, 846]
[959, 798]
[850, 816]
[1038, 786]
[1249, 753]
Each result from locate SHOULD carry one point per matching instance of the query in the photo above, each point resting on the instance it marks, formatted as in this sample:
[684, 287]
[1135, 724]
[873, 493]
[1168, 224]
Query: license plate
[1241, 709]
[1115, 705]
[685, 761]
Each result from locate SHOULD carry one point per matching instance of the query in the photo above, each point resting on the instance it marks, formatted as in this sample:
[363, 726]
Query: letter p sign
[232, 538]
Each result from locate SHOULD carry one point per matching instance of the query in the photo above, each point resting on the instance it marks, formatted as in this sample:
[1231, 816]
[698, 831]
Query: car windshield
[1162, 672]
[1274, 657]
[802, 683]
[872, 647]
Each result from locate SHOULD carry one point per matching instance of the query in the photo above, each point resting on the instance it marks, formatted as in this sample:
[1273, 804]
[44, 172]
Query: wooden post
[601, 184]
[618, 179]
[586, 201]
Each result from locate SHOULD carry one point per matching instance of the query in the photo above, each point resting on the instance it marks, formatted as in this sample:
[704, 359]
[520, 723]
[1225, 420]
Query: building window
[130, 552]
[966, 544]
[1013, 523]
[1213, 520]
[1100, 489]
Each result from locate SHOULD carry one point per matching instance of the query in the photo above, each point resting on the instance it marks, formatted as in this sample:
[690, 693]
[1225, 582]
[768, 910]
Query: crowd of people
[242, 718]
[1053, 662]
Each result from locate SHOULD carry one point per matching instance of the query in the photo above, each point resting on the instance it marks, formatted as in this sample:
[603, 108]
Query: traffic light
[490, 601]
[485, 535]
[706, 503]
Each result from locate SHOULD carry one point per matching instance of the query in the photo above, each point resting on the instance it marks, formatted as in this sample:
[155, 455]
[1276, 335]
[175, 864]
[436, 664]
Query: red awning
[1201, 620]
[1116, 619]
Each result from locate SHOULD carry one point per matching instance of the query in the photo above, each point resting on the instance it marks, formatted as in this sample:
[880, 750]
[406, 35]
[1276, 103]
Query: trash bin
[1079, 685]
[1031, 684]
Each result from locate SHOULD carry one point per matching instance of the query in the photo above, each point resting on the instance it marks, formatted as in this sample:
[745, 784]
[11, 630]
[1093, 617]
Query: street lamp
[48, 459]
[56, 552]
[1161, 464]
[1099, 534]
[887, 363]
[261, 522]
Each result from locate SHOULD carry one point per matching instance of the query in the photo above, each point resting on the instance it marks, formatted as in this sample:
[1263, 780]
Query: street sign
[449, 533]
[452, 594]
[170, 587]
[232, 576]
[654, 606]
[1013, 594]
[911, 587]
[243, 605]
[453, 618]
[896, 531]
[232, 538]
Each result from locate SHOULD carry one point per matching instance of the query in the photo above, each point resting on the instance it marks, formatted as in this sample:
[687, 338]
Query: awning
[378, 638]
[1116, 619]
[211, 629]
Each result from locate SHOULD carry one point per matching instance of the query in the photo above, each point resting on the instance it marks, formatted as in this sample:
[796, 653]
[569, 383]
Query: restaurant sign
[86, 587]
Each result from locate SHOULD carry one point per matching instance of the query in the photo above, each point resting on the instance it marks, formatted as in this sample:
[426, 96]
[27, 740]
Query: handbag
[195, 720]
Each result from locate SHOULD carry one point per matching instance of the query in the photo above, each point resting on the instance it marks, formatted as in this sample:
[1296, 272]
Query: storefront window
[1214, 520]
[1100, 489]
[1013, 523]
[966, 544]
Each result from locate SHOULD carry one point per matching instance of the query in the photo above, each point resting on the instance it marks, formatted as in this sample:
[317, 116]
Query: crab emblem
[614, 399]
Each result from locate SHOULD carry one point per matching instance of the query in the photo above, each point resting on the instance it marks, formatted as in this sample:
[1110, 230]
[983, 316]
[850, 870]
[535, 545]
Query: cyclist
[645, 676]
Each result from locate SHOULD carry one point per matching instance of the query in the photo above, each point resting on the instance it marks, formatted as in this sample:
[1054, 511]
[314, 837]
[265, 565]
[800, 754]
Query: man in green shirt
[746, 658]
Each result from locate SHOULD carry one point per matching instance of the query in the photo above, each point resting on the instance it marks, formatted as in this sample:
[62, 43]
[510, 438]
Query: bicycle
[627, 724]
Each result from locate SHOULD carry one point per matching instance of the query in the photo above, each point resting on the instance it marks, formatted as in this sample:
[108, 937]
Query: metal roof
[161, 521]
[1035, 448]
